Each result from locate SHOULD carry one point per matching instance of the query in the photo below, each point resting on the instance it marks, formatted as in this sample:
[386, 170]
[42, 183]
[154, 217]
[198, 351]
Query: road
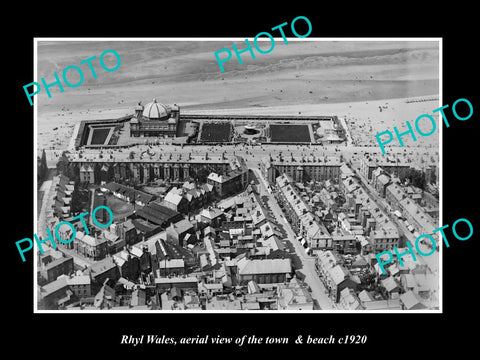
[350, 152]
[382, 203]
[432, 261]
[318, 290]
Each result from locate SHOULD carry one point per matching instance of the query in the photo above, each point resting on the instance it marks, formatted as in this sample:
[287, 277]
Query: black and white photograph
[257, 182]
[260, 188]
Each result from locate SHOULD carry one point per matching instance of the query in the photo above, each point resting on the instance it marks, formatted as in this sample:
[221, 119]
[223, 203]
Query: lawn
[289, 133]
[216, 132]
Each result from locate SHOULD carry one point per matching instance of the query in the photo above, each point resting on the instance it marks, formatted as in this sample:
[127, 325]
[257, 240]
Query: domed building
[155, 119]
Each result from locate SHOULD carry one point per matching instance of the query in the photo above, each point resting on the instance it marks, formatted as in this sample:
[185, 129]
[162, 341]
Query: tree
[202, 174]
[62, 165]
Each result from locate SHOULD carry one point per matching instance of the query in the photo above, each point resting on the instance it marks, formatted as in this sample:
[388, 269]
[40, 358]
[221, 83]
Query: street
[318, 290]
[382, 203]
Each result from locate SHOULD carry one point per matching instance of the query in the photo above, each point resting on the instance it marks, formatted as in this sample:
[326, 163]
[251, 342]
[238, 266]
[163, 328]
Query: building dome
[154, 110]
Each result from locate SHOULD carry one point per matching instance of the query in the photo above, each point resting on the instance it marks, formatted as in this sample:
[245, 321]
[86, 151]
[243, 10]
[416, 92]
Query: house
[187, 185]
[391, 286]
[176, 201]
[212, 216]
[65, 231]
[208, 188]
[210, 290]
[223, 303]
[63, 197]
[184, 282]
[64, 290]
[81, 285]
[128, 264]
[359, 262]
[105, 298]
[375, 174]
[126, 231]
[339, 278]
[291, 201]
[412, 301]
[93, 247]
[274, 243]
[365, 296]
[325, 260]
[177, 232]
[349, 300]
[197, 198]
[104, 269]
[173, 267]
[293, 296]
[138, 298]
[123, 285]
[345, 244]
[51, 268]
[333, 274]
[381, 184]
[114, 242]
[419, 283]
[168, 301]
[145, 229]
[229, 183]
[384, 239]
[54, 294]
[315, 233]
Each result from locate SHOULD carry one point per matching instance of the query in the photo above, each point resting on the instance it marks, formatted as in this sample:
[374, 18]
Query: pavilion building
[155, 119]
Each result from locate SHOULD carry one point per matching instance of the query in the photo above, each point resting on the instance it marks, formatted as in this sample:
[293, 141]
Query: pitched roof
[183, 226]
[207, 187]
[392, 304]
[390, 284]
[173, 198]
[338, 274]
[90, 240]
[102, 266]
[264, 266]
[58, 261]
[129, 192]
[171, 264]
[211, 213]
[79, 280]
[350, 299]
[156, 213]
[365, 296]
[216, 177]
[54, 286]
[411, 301]
[143, 226]
[384, 179]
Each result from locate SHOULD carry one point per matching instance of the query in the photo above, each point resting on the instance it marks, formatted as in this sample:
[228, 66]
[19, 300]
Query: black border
[99, 334]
